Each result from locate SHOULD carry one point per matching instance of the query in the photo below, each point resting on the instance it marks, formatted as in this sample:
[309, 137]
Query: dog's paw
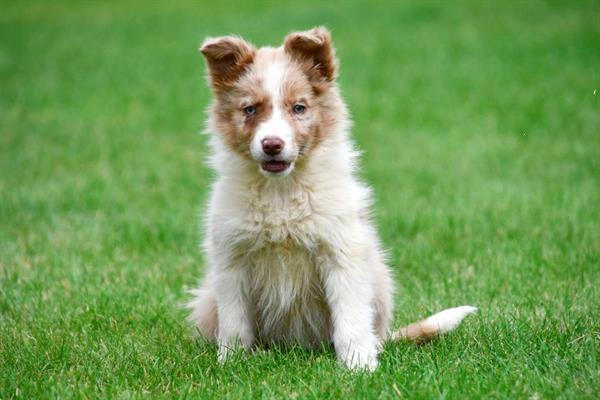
[227, 351]
[231, 345]
[224, 353]
[360, 359]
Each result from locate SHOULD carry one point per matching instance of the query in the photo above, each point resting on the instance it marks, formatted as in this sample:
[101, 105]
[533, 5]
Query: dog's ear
[314, 50]
[227, 57]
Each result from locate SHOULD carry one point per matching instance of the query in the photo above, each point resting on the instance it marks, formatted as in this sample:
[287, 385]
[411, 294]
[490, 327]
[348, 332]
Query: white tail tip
[447, 320]
[438, 324]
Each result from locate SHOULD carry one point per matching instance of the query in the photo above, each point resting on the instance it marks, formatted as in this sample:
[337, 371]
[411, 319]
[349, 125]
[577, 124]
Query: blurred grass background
[480, 131]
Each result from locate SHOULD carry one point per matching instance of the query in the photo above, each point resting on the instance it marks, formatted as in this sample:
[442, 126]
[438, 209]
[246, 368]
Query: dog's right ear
[314, 50]
[226, 57]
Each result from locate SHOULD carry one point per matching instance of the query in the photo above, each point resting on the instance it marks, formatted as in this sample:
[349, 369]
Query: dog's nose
[272, 146]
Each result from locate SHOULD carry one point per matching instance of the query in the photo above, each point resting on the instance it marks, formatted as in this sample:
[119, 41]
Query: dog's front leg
[234, 313]
[349, 292]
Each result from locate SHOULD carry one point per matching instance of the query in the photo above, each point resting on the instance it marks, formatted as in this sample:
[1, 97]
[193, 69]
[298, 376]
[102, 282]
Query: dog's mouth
[275, 166]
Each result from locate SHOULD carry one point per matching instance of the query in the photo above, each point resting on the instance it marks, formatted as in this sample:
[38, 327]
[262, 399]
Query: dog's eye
[299, 108]
[250, 110]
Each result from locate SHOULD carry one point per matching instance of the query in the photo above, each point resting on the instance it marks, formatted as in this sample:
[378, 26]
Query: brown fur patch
[227, 58]
[313, 50]
[418, 332]
[229, 118]
[297, 90]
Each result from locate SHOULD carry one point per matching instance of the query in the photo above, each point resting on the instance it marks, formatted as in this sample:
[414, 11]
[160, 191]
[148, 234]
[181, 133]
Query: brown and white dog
[292, 253]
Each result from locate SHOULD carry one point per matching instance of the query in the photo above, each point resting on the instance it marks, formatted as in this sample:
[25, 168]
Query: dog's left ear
[314, 50]
[227, 58]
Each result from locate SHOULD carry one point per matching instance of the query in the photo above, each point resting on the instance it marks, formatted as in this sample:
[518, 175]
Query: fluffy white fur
[295, 258]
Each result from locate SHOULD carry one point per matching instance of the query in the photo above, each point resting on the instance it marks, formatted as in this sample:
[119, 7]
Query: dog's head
[274, 105]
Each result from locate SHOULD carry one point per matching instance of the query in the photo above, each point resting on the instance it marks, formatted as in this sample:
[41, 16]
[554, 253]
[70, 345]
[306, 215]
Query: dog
[293, 256]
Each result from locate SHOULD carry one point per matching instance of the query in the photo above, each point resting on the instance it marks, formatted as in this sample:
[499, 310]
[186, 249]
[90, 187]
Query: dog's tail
[433, 326]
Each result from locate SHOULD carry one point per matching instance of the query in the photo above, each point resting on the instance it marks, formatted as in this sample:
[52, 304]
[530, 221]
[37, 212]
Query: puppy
[293, 256]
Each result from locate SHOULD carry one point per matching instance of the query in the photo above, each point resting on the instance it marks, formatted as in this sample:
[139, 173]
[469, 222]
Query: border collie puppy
[292, 252]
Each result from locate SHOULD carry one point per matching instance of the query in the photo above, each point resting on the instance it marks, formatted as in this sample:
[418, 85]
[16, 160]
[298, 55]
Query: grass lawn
[481, 137]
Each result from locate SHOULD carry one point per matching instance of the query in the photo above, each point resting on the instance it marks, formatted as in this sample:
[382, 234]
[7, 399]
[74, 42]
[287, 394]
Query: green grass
[481, 138]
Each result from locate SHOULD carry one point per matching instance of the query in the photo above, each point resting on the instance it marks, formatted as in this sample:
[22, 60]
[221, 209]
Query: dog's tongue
[275, 166]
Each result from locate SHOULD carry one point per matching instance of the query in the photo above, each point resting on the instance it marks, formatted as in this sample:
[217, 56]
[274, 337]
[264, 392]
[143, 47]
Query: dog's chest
[287, 294]
[280, 218]
[284, 263]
